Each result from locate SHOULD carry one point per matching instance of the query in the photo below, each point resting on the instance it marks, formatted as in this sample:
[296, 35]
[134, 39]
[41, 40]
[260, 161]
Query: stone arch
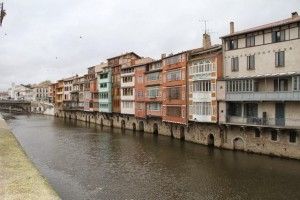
[155, 128]
[123, 126]
[133, 126]
[101, 121]
[171, 131]
[210, 140]
[141, 126]
[182, 136]
[238, 144]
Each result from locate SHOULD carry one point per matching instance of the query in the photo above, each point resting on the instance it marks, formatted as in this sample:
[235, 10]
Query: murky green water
[87, 162]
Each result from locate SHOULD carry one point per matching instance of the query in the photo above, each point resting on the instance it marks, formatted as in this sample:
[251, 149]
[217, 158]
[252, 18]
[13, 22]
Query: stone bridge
[15, 106]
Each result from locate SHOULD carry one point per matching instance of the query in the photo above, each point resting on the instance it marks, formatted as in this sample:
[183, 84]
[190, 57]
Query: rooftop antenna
[205, 25]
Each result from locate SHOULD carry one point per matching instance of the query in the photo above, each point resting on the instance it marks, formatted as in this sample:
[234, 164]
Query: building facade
[174, 106]
[205, 68]
[105, 90]
[261, 86]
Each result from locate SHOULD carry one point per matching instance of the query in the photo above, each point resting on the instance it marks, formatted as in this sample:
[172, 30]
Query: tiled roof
[266, 26]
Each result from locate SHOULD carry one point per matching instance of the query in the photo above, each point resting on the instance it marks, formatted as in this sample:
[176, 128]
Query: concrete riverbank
[19, 179]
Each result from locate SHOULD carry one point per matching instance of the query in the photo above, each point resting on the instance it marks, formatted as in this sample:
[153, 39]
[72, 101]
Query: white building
[262, 76]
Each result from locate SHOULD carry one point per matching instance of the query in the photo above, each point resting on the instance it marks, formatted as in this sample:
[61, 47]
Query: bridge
[15, 106]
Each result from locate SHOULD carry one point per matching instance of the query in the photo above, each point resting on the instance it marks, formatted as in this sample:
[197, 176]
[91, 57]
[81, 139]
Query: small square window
[293, 137]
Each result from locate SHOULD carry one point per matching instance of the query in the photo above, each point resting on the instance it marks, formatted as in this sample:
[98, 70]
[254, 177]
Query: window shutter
[276, 59]
[282, 35]
[232, 64]
[248, 62]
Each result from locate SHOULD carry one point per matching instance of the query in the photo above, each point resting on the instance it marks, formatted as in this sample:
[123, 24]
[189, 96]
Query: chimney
[294, 14]
[231, 27]
[163, 55]
[206, 41]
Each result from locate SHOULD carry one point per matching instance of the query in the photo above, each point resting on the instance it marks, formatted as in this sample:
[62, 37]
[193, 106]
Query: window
[201, 67]
[140, 79]
[250, 110]
[140, 106]
[103, 95]
[235, 64]
[250, 41]
[174, 75]
[127, 79]
[174, 111]
[274, 135]
[103, 105]
[155, 106]
[153, 76]
[280, 85]
[174, 93]
[239, 86]
[279, 59]
[201, 86]
[201, 108]
[140, 94]
[293, 137]
[235, 109]
[103, 76]
[278, 36]
[127, 104]
[153, 92]
[127, 91]
[128, 70]
[174, 59]
[251, 62]
[103, 85]
[155, 66]
[232, 44]
[296, 83]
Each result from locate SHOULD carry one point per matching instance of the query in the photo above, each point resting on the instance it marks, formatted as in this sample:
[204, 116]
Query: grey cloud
[43, 37]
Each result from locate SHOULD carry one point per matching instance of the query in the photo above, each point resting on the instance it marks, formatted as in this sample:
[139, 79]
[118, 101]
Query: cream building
[261, 84]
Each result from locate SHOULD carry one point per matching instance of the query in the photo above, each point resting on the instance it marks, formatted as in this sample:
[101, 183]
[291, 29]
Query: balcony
[264, 122]
[263, 96]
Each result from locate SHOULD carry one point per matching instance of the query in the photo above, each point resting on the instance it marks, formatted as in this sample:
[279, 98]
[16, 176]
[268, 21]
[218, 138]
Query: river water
[89, 162]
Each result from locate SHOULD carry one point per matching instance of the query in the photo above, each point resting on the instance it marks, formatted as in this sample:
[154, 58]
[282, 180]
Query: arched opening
[182, 136]
[101, 121]
[141, 126]
[238, 144]
[171, 130]
[133, 126]
[111, 123]
[123, 124]
[210, 140]
[155, 128]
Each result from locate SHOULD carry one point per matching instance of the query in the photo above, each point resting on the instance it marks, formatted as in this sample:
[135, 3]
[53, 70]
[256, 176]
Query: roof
[266, 26]
[202, 50]
[124, 55]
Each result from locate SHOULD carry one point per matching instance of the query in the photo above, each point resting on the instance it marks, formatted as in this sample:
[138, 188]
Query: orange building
[115, 64]
[175, 88]
[153, 89]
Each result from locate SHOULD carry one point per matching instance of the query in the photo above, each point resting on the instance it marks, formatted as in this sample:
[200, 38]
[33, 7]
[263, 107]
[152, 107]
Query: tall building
[153, 89]
[59, 95]
[67, 91]
[105, 89]
[88, 90]
[115, 64]
[204, 68]
[175, 88]
[262, 76]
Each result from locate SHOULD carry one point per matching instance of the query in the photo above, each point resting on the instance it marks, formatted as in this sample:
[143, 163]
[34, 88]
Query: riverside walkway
[19, 179]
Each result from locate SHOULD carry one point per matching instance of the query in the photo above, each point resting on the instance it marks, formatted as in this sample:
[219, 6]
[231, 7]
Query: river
[84, 161]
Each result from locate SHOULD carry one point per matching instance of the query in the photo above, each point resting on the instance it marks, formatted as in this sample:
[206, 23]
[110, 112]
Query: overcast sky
[40, 39]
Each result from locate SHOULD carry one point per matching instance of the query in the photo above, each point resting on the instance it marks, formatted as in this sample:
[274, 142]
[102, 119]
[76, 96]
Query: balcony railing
[263, 96]
[267, 122]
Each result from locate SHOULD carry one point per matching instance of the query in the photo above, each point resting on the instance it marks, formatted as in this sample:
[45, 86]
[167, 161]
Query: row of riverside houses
[243, 94]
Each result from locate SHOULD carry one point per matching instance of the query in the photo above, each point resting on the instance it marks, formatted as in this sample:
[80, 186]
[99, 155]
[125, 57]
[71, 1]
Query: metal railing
[263, 96]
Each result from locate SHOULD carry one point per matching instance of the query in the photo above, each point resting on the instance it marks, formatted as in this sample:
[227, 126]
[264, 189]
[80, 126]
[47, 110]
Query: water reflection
[87, 161]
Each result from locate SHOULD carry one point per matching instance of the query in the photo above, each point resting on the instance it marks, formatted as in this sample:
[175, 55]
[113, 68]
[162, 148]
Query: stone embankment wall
[19, 179]
[226, 137]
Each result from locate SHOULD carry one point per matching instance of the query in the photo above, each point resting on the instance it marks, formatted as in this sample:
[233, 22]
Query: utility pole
[2, 14]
